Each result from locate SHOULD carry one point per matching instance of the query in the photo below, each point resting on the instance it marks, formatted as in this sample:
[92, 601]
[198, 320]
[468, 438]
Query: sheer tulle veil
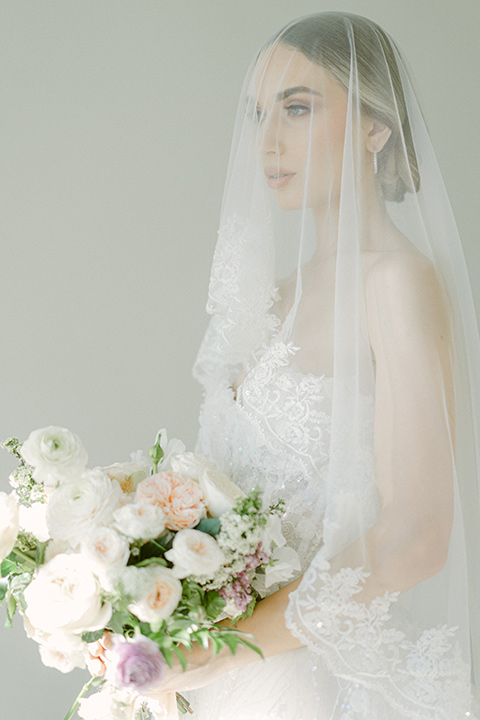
[338, 248]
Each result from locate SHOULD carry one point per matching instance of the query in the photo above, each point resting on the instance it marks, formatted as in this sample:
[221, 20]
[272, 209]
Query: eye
[297, 110]
[255, 114]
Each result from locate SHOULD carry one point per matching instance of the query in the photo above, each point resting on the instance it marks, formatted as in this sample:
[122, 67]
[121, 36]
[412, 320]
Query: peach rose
[181, 499]
[160, 594]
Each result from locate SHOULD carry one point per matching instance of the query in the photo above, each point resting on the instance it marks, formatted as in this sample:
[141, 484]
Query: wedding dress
[339, 292]
[270, 434]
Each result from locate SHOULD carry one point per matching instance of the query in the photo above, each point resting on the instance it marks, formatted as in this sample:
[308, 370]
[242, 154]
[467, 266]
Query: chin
[288, 202]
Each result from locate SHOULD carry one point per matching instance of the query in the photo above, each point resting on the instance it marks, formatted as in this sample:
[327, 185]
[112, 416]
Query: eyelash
[304, 110]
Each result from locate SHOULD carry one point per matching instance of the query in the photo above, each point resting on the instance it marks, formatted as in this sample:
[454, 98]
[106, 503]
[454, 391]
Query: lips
[277, 177]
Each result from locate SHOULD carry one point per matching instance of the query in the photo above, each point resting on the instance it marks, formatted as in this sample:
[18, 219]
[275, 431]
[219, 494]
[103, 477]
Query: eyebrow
[284, 94]
[294, 90]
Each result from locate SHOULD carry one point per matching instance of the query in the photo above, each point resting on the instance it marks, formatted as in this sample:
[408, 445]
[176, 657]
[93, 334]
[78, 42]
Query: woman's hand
[267, 630]
[203, 667]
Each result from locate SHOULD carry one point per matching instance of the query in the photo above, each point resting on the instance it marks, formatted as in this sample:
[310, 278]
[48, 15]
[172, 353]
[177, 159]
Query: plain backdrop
[116, 120]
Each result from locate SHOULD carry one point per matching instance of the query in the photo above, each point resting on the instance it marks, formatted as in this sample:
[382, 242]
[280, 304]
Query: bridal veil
[338, 246]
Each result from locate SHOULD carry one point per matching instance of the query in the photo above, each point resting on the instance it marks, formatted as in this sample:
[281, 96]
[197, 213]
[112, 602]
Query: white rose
[128, 474]
[160, 594]
[9, 523]
[107, 551]
[286, 564]
[55, 453]
[33, 520]
[139, 520]
[63, 651]
[219, 491]
[64, 596]
[80, 505]
[195, 553]
[107, 704]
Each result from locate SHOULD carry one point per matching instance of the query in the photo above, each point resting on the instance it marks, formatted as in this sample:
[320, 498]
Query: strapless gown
[274, 434]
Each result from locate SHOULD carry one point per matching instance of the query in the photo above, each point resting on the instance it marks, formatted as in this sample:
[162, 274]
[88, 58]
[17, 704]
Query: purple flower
[237, 593]
[137, 663]
[258, 558]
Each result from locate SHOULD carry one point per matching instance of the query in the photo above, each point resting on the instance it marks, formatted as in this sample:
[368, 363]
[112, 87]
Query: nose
[271, 142]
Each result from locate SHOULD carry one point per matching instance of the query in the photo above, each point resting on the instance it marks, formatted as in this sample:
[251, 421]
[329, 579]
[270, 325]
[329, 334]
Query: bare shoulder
[402, 270]
[404, 292]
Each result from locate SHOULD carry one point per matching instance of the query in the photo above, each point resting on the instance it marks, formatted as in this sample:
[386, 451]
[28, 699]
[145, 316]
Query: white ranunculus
[107, 550]
[56, 454]
[195, 553]
[33, 520]
[286, 564]
[139, 520]
[160, 594]
[80, 505]
[63, 651]
[128, 474]
[219, 491]
[64, 596]
[9, 523]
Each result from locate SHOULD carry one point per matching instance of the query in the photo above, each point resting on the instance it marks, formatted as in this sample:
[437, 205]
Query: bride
[338, 374]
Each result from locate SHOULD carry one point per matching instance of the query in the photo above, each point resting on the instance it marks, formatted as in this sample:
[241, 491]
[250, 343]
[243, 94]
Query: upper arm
[409, 332]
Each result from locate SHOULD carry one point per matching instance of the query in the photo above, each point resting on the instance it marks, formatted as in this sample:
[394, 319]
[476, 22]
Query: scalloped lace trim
[422, 676]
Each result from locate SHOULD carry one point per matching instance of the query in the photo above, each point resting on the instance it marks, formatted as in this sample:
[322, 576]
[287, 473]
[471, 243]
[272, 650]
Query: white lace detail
[422, 675]
[276, 435]
[245, 321]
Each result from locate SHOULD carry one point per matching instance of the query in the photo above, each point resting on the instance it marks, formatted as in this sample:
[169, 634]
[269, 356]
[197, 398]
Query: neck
[374, 224]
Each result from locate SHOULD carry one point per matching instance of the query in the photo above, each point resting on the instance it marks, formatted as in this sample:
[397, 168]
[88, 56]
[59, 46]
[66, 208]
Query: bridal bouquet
[121, 568]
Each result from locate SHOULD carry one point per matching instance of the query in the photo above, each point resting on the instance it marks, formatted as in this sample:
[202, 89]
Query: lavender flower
[136, 663]
[237, 593]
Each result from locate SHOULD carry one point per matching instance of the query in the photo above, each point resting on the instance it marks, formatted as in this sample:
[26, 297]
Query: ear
[378, 134]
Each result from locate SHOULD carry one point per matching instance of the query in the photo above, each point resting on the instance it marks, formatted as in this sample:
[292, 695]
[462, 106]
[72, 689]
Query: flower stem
[25, 559]
[93, 682]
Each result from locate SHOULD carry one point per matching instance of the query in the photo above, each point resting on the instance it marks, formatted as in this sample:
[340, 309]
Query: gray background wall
[115, 123]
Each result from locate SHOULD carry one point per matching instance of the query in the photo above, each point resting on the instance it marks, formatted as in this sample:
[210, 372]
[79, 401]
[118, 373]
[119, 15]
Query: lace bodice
[275, 435]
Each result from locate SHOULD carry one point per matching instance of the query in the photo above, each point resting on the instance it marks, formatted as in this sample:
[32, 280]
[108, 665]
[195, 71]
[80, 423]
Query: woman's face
[300, 112]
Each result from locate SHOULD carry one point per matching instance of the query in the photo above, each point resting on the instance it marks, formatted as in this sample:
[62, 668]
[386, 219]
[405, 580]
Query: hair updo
[327, 39]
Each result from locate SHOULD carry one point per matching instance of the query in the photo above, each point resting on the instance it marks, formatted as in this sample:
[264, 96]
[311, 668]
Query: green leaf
[211, 526]
[11, 607]
[231, 641]
[181, 656]
[193, 595]
[217, 643]
[40, 553]
[18, 583]
[202, 637]
[253, 647]
[118, 620]
[93, 636]
[8, 566]
[168, 655]
[214, 604]
[3, 589]
[151, 561]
